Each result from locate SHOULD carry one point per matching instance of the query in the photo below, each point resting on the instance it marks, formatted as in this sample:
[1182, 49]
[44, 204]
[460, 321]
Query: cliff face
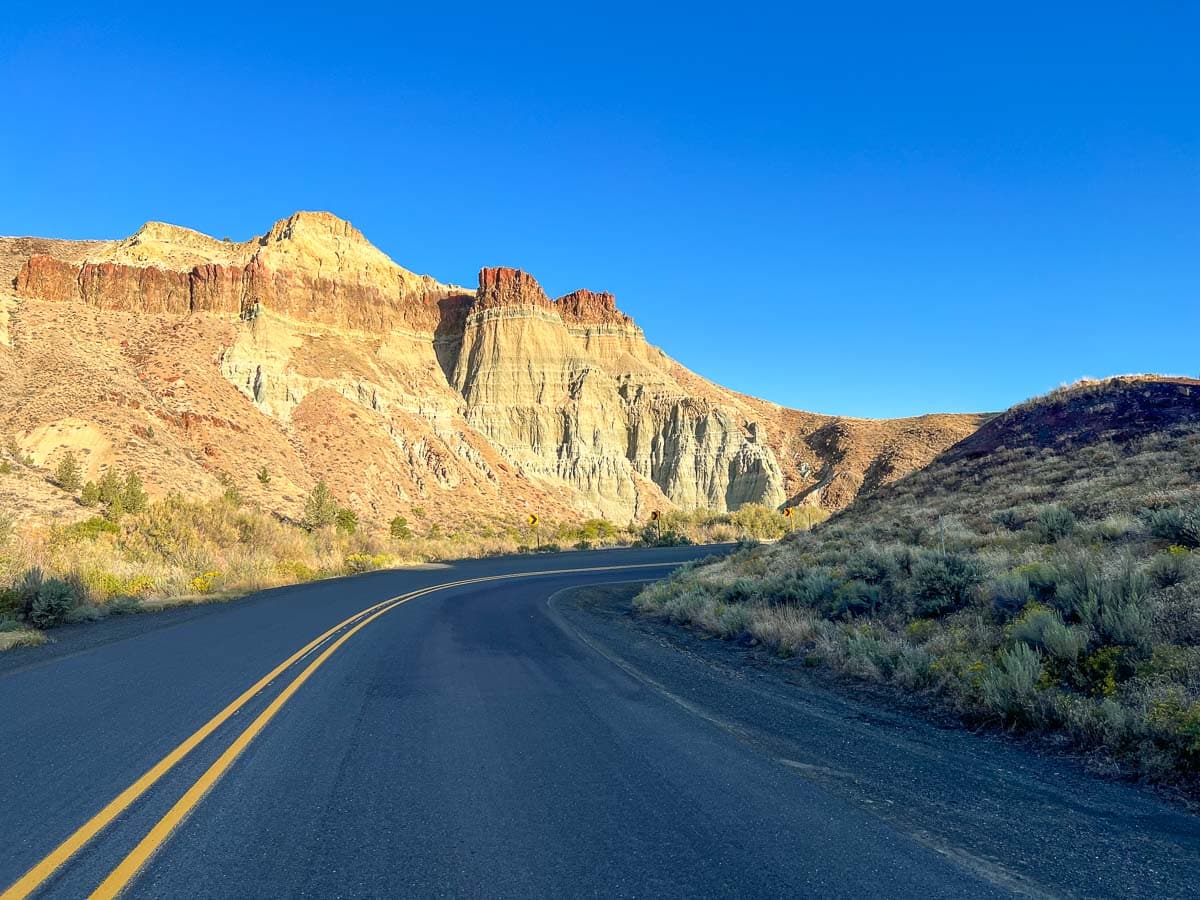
[570, 389]
[310, 351]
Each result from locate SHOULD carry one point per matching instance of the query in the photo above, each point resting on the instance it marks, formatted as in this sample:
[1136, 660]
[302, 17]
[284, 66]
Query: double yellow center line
[128, 868]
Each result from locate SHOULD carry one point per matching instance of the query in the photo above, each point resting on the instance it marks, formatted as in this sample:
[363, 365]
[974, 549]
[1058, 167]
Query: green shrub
[1101, 672]
[871, 566]
[263, 475]
[855, 598]
[942, 584]
[399, 529]
[10, 603]
[1043, 580]
[652, 536]
[760, 521]
[111, 487]
[1010, 594]
[346, 521]
[55, 601]
[1175, 719]
[1115, 605]
[123, 605]
[1008, 686]
[320, 508]
[90, 495]
[920, 630]
[1043, 628]
[867, 655]
[743, 590]
[1179, 526]
[28, 586]
[732, 620]
[590, 531]
[1009, 519]
[90, 529]
[813, 589]
[1173, 567]
[133, 495]
[1054, 523]
[1114, 528]
[361, 562]
[67, 475]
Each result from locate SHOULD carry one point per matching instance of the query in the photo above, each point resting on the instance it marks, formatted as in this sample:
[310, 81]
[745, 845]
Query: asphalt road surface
[507, 736]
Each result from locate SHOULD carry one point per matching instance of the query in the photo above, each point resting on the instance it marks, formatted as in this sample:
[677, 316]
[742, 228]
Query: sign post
[789, 513]
[533, 523]
[656, 518]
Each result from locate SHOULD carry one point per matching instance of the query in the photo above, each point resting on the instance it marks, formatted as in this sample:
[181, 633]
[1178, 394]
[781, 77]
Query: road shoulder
[1035, 823]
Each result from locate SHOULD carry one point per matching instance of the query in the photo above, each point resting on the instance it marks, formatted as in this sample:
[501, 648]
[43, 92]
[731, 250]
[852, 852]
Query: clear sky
[866, 209]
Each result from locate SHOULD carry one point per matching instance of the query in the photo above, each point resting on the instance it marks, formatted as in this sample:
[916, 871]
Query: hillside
[308, 352]
[1043, 573]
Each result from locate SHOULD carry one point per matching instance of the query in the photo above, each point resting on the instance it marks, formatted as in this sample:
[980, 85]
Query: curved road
[494, 739]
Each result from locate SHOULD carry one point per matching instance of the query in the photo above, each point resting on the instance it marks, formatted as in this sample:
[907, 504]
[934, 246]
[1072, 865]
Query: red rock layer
[585, 307]
[502, 286]
[213, 287]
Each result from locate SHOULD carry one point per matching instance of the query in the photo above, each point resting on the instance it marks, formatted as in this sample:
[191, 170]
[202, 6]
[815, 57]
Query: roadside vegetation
[134, 553]
[1043, 586]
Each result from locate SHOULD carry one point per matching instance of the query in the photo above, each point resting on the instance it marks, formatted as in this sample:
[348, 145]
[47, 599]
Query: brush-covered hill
[307, 354]
[1043, 573]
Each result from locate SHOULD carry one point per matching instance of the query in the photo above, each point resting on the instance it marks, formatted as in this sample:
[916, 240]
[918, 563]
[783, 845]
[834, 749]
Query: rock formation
[309, 351]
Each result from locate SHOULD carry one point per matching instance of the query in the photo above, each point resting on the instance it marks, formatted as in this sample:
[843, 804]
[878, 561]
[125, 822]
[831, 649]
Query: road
[496, 738]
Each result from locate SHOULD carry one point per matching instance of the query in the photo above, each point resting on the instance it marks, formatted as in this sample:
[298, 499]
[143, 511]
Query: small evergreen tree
[263, 475]
[399, 529]
[320, 509]
[111, 487]
[133, 495]
[347, 521]
[115, 510]
[67, 475]
[90, 496]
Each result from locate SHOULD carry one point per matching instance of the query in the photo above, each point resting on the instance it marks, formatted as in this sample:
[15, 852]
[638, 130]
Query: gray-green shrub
[1010, 594]
[1044, 629]
[1054, 523]
[55, 601]
[1179, 526]
[1009, 685]
[942, 584]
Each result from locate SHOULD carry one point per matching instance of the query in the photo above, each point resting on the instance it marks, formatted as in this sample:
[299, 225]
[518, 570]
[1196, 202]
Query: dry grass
[22, 637]
[177, 552]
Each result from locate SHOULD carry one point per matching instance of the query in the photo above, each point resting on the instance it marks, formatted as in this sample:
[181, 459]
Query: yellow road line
[36, 876]
[33, 879]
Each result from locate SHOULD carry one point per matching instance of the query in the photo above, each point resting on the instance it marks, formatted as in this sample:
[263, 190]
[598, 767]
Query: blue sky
[869, 210]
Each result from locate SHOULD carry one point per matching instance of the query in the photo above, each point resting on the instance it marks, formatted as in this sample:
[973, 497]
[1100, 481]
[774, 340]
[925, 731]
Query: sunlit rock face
[570, 390]
[310, 351]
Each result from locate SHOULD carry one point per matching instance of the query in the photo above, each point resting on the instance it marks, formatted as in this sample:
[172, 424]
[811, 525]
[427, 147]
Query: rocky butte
[308, 351]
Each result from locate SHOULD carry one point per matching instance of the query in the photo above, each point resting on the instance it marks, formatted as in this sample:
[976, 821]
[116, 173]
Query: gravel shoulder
[1037, 824]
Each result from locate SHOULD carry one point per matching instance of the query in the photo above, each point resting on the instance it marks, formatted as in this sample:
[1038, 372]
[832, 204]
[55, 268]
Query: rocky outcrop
[562, 411]
[588, 308]
[406, 392]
